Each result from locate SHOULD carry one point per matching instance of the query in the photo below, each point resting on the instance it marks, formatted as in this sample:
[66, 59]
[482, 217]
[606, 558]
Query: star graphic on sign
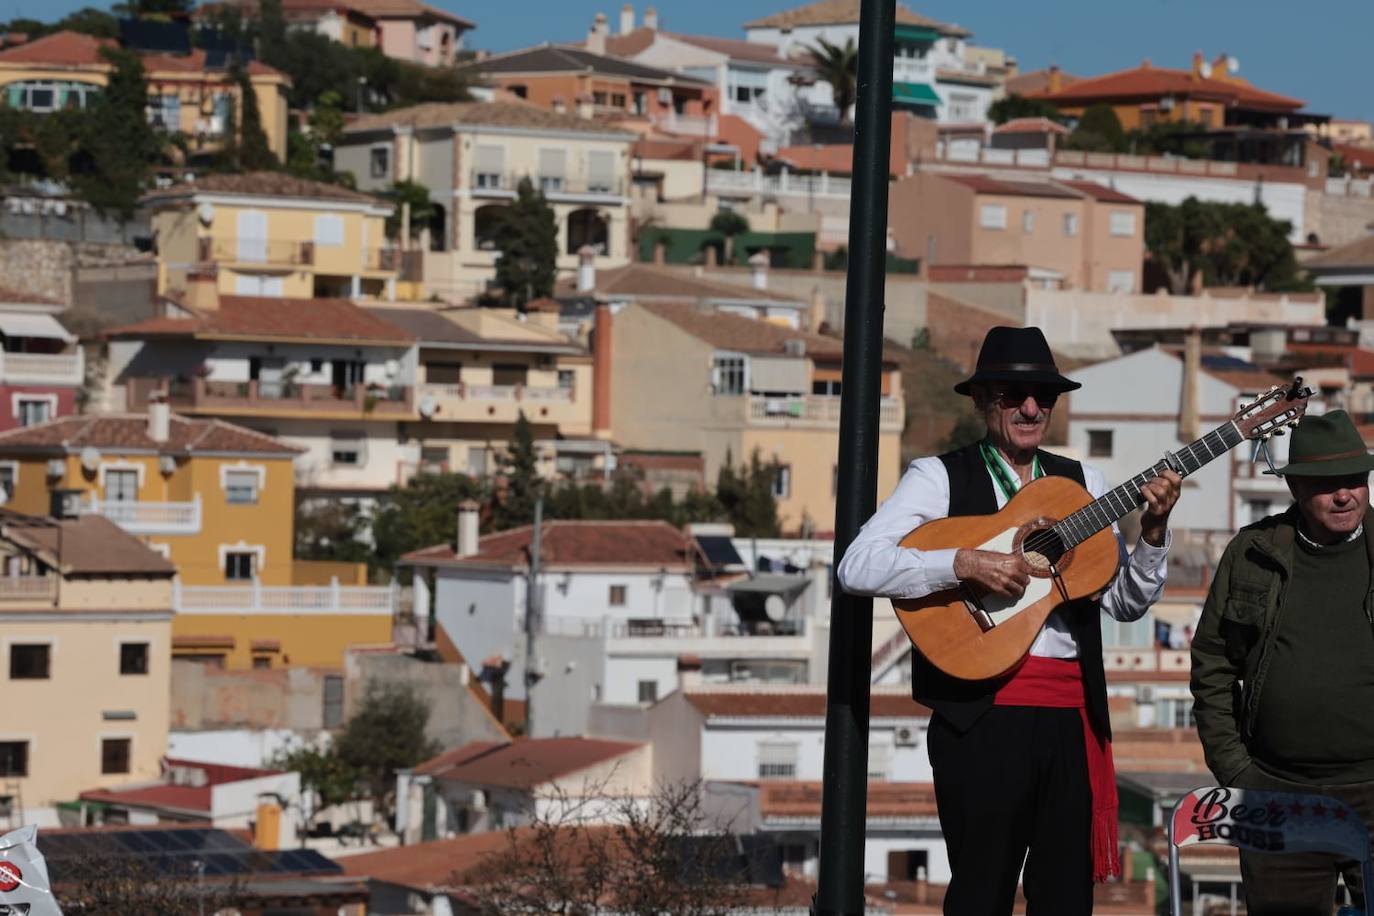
[1296, 808]
[1318, 810]
[1339, 813]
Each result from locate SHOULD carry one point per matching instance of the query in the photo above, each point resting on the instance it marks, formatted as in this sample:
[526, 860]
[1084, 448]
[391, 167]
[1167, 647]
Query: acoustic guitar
[1066, 537]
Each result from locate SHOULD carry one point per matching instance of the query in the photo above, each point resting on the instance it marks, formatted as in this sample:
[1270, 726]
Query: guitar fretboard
[1120, 501]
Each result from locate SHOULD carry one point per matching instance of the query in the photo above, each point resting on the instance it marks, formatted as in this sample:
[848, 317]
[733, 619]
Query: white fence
[723, 181]
[149, 517]
[42, 368]
[256, 598]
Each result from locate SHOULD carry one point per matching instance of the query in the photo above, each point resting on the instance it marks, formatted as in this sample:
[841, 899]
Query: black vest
[962, 703]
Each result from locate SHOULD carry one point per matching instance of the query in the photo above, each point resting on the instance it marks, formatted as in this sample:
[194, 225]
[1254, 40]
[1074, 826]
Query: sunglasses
[1016, 396]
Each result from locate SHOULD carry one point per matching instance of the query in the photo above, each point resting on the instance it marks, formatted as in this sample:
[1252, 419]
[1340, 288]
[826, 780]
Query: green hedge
[688, 246]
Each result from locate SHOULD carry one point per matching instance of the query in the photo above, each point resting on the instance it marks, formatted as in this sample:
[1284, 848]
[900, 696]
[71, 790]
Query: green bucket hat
[1328, 445]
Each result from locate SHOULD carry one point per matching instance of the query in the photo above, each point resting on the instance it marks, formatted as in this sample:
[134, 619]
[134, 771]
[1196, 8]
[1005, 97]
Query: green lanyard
[1007, 482]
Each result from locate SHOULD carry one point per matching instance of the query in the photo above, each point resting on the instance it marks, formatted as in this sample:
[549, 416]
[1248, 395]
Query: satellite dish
[206, 213]
[428, 406]
[392, 367]
[775, 608]
[90, 458]
[56, 467]
[1232, 64]
[1205, 70]
[167, 464]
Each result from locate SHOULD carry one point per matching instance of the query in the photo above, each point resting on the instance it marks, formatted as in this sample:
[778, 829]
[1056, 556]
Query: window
[333, 700]
[329, 230]
[992, 216]
[477, 461]
[777, 760]
[240, 566]
[617, 598]
[1123, 224]
[443, 373]
[830, 387]
[879, 761]
[14, 758]
[114, 755]
[346, 450]
[1099, 443]
[30, 661]
[48, 95]
[552, 168]
[164, 112]
[121, 486]
[1121, 281]
[1258, 508]
[1028, 221]
[1071, 224]
[133, 658]
[9, 476]
[509, 374]
[241, 487]
[491, 162]
[963, 106]
[617, 100]
[380, 162]
[728, 375]
[599, 99]
[782, 481]
[565, 379]
[262, 662]
[648, 691]
[34, 410]
[1175, 713]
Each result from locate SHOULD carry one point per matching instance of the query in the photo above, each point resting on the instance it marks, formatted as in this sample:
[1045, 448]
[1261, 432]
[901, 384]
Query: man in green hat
[1283, 658]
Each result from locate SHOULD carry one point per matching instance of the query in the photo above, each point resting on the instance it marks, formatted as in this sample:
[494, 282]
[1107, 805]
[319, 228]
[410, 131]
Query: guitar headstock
[1274, 411]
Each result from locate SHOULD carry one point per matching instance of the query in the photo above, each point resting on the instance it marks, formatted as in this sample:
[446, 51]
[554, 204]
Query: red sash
[1058, 683]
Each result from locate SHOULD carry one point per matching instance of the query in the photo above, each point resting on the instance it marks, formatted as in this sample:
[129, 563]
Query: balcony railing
[275, 395]
[255, 598]
[783, 184]
[27, 588]
[655, 628]
[465, 392]
[257, 251]
[683, 125]
[817, 409]
[42, 368]
[149, 517]
[504, 184]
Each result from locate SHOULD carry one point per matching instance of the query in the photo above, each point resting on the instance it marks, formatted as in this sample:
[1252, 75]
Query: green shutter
[914, 94]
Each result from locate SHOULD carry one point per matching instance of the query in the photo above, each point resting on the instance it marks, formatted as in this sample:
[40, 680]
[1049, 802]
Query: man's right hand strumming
[1004, 574]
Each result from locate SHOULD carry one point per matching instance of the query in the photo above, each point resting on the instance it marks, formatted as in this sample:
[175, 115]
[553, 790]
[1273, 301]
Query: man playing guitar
[1022, 763]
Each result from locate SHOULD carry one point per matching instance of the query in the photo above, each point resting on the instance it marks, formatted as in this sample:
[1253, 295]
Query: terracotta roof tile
[264, 184]
[429, 326]
[90, 545]
[1149, 82]
[801, 799]
[649, 281]
[523, 764]
[490, 114]
[187, 799]
[735, 332]
[268, 317]
[1035, 81]
[982, 184]
[551, 58]
[1031, 126]
[571, 543]
[74, 49]
[130, 431]
[797, 703]
[826, 12]
[391, 9]
[1358, 361]
[1356, 254]
[21, 297]
[1102, 193]
[736, 49]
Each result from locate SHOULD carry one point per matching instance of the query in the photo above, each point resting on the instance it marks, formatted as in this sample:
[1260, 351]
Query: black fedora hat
[1016, 355]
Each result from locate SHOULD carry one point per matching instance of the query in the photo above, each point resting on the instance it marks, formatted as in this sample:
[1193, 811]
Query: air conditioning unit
[1145, 693]
[905, 736]
[794, 347]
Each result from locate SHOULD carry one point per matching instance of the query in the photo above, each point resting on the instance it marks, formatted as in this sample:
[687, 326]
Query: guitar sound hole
[1042, 549]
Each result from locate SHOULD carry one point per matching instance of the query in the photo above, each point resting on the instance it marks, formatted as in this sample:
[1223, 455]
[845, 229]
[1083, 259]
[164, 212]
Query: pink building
[41, 365]
[414, 31]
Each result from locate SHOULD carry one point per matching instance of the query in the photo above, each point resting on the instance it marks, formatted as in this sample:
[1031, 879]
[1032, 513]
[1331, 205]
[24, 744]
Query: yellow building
[87, 614]
[270, 234]
[186, 94]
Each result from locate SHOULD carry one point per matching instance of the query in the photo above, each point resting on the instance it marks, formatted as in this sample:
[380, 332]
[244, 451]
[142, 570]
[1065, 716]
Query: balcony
[149, 517]
[42, 368]
[656, 636]
[386, 260]
[817, 411]
[28, 588]
[555, 187]
[501, 403]
[278, 397]
[256, 598]
[681, 125]
[256, 251]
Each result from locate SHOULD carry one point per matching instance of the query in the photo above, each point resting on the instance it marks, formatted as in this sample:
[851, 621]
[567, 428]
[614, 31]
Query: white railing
[149, 517]
[686, 125]
[816, 409]
[256, 598]
[910, 70]
[652, 628]
[1348, 187]
[784, 183]
[986, 155]
[42, 368]
[27, 588]
[499, 393]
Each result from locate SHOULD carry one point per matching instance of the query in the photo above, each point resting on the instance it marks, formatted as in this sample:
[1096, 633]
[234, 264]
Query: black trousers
[1013, 790]
[1302, 883]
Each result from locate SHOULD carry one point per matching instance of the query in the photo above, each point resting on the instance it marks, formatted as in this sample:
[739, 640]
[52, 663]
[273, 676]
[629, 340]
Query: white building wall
[731, 752]
[624, 674]
[240, 747]
[384, 463]
[482, 613]
[586, 595]
[235, 804]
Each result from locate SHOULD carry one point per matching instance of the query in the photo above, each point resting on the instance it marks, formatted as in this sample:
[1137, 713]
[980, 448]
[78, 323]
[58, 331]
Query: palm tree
[838, 66]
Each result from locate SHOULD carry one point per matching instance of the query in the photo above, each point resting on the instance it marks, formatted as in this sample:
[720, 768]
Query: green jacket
[1233, 639]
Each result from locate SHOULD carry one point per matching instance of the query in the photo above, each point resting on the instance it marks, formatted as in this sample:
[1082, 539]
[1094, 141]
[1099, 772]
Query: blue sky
[1317, 51]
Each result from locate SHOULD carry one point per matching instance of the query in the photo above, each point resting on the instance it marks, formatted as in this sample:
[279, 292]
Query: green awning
[915, 33]
[914, 94]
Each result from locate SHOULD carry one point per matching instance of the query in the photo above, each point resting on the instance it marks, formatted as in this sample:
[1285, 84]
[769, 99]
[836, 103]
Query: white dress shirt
[875, 565]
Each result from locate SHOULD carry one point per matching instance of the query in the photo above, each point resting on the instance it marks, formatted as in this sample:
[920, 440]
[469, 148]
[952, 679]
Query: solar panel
[176, 852]
[151, 35]
[1223, 361]
[719, 550]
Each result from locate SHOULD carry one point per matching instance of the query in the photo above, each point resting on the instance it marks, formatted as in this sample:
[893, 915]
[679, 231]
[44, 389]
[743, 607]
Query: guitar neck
[1121, 501]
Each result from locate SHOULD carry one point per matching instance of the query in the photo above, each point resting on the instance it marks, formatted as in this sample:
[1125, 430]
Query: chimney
[584, 103]
[1197, 64]
[688, 672]
[466, 544]
[596, 37]
[586, 269]
[758, 268]
[650, 18]
[1192, 368]
[627, 19]
[601, 371]
[202, 289]
[159, 420]
[1145, 64]
[1056, 78]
